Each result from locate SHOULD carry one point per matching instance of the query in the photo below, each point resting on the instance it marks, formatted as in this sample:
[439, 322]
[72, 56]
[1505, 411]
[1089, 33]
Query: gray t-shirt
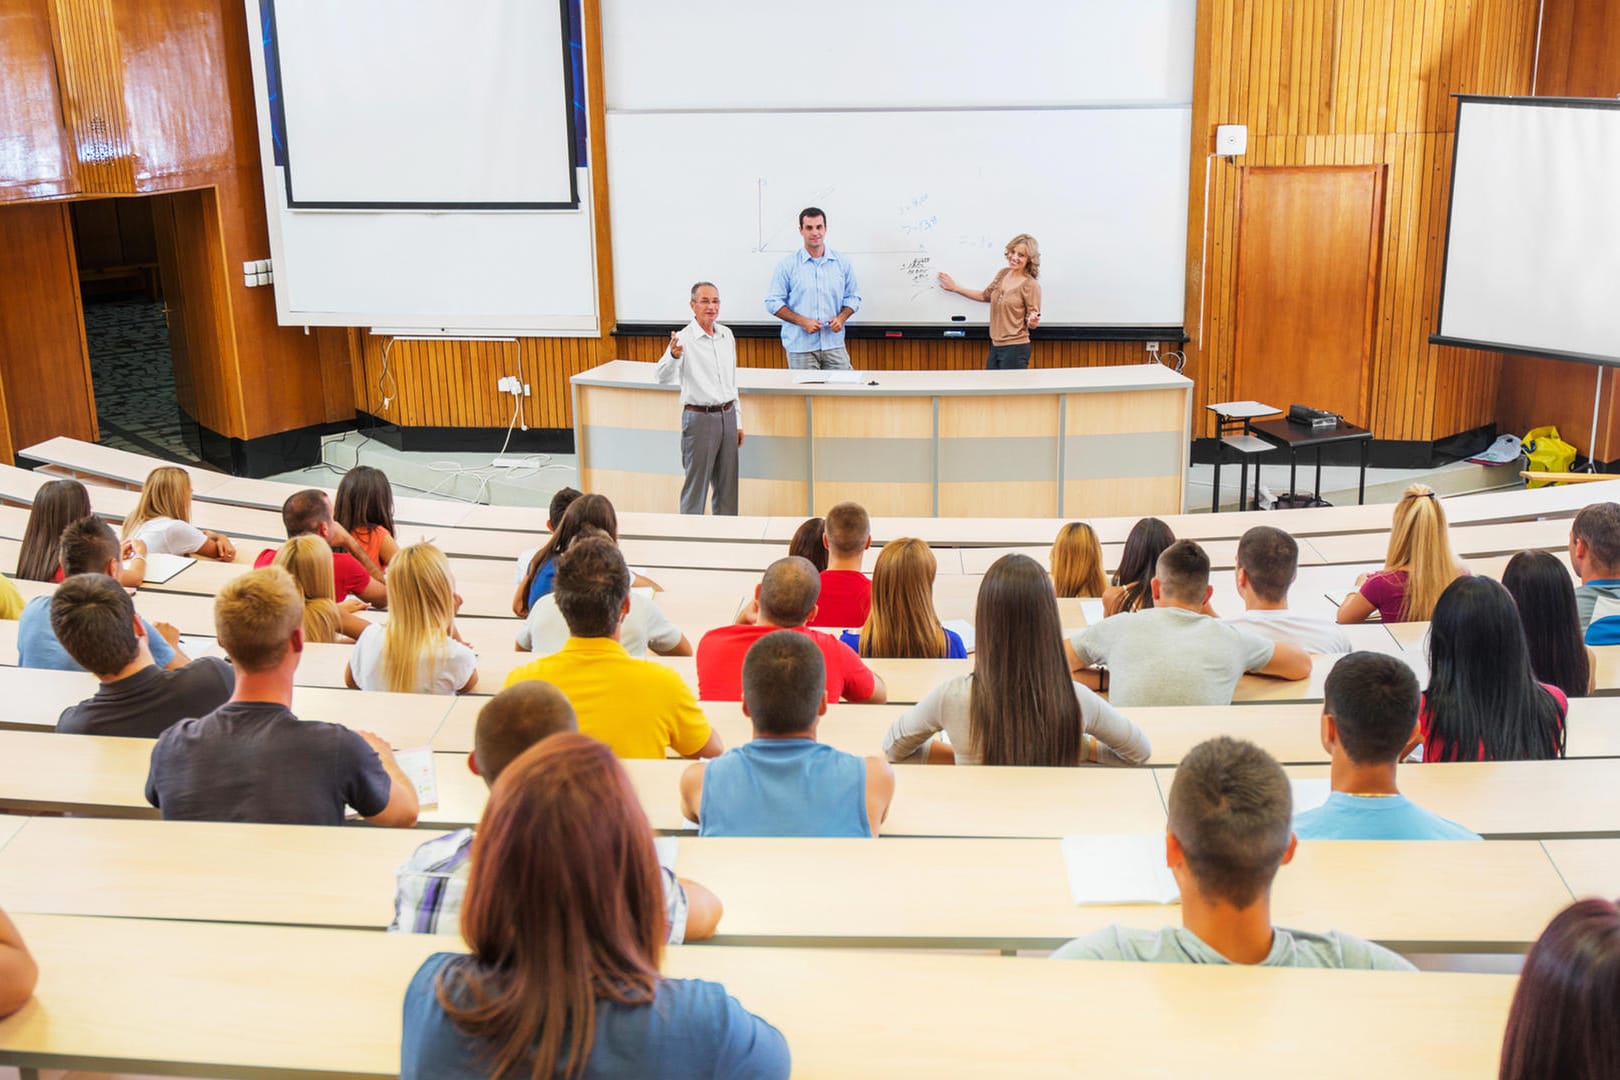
[1178, 945]
[946, 708]
[254, 761]
[1171, 656]
[144, 704]
[1587, 596]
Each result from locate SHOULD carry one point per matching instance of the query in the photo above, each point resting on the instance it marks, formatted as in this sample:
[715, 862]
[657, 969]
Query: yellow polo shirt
[639, 708]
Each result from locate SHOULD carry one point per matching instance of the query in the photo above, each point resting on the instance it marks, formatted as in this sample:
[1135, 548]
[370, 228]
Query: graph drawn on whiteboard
[915, 220]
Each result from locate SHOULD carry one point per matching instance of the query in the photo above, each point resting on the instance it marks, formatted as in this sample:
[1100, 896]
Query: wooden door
[1307, 285]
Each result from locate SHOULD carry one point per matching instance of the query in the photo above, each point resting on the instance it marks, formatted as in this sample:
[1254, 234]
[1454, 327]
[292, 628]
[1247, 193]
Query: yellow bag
[1547, 453]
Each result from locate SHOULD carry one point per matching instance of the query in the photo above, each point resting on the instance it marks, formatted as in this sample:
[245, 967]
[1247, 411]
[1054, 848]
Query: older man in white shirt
[702, 357]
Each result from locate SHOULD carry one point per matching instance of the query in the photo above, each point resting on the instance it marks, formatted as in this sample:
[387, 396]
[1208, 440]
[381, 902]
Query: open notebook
[1118, 869]
[160, 567]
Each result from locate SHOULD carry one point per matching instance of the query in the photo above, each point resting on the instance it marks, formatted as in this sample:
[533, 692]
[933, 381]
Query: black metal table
[1295, 437]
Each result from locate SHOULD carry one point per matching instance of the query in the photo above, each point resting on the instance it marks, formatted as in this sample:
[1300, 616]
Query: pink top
[1386, 591]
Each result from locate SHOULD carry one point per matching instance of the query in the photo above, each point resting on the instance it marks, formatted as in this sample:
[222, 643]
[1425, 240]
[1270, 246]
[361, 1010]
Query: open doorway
[128, 301]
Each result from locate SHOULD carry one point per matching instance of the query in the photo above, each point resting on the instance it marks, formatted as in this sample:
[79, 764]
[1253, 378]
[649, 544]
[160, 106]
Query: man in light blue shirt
[813, 292]
[1369, 722]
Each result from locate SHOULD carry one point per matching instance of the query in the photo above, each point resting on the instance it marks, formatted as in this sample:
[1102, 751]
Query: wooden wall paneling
[172, 273]
[1307, 284]
[90, 77]
[1580, 49]
[44, 363]
[36, 156]
[197, 296]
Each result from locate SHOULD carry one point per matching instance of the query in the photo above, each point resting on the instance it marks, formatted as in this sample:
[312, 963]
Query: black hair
[1545, 595]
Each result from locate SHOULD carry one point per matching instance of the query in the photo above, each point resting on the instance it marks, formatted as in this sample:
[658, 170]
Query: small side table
[1294, 437]
[1232, 429]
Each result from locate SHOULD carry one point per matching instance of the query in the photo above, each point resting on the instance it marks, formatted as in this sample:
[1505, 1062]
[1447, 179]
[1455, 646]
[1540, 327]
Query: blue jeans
[1008, 357]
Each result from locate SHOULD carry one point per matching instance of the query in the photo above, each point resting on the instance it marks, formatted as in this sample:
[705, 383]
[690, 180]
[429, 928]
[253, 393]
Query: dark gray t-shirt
[254, 761]
[143, 705]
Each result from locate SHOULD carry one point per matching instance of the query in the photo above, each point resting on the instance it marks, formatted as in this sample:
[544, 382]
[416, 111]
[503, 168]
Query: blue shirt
[784, 787]
[692, 1028]
[37, 646]
[816, 289]
[1382, 817]
[545, 580]
[954, 649]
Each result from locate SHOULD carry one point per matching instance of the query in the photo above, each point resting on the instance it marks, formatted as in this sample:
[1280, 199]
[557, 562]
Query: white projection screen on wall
[1533, 241]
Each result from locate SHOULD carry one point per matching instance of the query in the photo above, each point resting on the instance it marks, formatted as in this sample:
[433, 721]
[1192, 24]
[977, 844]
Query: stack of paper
[1116, 869]
[417, 765]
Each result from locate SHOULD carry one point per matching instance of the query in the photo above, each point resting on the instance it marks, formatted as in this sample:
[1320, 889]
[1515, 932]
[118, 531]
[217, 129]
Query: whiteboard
[1534, 189]
[716, 196]
[432, 271]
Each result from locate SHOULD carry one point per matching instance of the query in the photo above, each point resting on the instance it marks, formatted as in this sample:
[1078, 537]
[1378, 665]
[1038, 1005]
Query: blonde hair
[166, 494]
[902, 623]
[309, 561]
[421, 607]
[1033, 267]
[255, 615]
[1420, 545]
[1077, 561]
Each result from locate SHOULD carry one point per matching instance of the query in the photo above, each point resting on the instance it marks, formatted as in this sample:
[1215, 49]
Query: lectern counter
[1048, 442]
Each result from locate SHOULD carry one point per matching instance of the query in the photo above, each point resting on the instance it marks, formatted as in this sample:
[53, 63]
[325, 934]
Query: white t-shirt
[456, 664]
[645, 627]
[170, 536]
[1307, 631]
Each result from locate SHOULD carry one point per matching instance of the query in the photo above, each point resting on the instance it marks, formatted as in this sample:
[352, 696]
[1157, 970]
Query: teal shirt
[1177, 945]
[1375, 817]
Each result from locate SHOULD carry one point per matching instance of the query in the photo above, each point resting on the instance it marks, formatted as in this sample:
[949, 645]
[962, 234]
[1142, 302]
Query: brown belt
[710, 408]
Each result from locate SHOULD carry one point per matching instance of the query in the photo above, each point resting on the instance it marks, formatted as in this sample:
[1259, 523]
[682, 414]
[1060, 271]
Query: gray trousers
[824, 359]
[709, 456]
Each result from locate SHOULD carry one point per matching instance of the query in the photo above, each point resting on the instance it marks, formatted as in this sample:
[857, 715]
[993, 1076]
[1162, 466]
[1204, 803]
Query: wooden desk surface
[1589, 867]
[340, 1015]
[978, 893]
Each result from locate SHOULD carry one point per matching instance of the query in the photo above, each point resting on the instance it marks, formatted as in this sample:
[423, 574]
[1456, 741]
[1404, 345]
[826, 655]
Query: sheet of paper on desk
[964, 630]
[666, 848]
[837, 378]
[1117, 869]
[1092, 609]
[417, 765]
[201, 646]
[160, 567]
[1310, 793]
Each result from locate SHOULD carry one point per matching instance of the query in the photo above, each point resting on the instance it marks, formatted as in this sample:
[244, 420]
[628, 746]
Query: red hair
[564, 906]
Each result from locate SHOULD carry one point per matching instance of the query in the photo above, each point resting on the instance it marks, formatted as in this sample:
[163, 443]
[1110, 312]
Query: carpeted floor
[134, 381]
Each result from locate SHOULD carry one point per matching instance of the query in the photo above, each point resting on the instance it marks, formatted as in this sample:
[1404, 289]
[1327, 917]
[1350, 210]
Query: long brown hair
[1420, 545]
[586, 510]
[902, 623]
[1022, 709]
[1140, 561]
[57, 504]
[1562, 1020]
[564, 907]
[1077, 561]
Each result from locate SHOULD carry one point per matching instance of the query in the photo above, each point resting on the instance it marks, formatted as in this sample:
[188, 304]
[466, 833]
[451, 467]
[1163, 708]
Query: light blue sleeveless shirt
[784, 787]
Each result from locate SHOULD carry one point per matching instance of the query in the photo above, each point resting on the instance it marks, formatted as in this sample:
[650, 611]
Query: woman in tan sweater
[1014, 296]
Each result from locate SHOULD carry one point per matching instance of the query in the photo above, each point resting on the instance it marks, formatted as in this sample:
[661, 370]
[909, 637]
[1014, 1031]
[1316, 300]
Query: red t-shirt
[1435, 749]
[720, 662]
[348, 576]
[846, 599]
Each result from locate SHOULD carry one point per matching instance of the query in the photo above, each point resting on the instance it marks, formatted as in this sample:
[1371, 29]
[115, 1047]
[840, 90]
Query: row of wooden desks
[256, 1001]
[901, 892]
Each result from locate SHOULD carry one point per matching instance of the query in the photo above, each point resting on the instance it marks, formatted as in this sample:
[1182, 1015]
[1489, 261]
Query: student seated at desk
[1417, 567]
[785, 599]
[646, 628]
[1267, 564]
[11, 601]
[846, 591]
[309, 513]
[1077, 562]
[1229, 806]
[1541, 590]
[309, 561]
[88, 546]
[430, 886]
[784, 782]
[365, 507]
[1132, 587]
[810, 542]
[251, 759]
[566, 929]
[94, 619]
[18, 972]
[1483, 701]
[1594, 553]
[902, 623]
[58, 504]
[418, 650]
[1020, 705]
[1174, 653]
[162, 519]
[580, 512]
[1369, 722]
[640, 708]
[1562, 1023]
